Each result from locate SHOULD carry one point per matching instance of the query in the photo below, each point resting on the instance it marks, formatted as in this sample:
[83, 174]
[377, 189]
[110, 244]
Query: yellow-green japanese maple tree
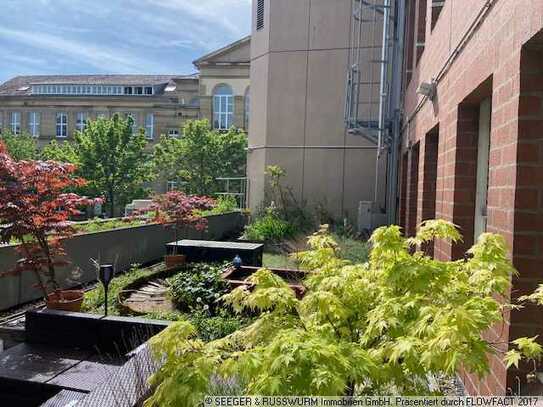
[373, 328]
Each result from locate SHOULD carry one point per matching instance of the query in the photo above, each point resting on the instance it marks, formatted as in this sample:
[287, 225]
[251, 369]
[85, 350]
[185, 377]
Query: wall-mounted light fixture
[428, 89]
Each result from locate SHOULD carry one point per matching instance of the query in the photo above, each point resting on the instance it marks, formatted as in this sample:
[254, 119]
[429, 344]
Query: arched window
[223, 107]
[247, 107]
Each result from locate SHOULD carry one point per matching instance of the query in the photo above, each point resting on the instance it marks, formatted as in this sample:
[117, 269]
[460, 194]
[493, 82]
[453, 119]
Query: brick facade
[502, 59]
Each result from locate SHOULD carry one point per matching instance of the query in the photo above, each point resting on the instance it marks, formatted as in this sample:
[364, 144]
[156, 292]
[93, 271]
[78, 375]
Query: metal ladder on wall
[380, 123]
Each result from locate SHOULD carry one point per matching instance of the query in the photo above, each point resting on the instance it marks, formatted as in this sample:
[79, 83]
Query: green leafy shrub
[269, 228]
[20, 146]
[223, 204]
[198, 285]
[211, 327]
[376, 328]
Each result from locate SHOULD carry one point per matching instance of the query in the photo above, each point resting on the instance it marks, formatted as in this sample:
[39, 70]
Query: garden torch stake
[106, 274]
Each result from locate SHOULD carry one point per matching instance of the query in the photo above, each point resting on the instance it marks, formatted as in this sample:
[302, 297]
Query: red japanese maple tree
[177, 210]
[35, 209]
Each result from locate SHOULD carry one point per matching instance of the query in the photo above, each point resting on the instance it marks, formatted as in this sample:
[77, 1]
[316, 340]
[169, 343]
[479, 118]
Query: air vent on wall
[260, 15]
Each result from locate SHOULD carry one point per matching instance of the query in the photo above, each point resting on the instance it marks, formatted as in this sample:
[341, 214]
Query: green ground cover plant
[100, 225]
[270, 228]
[379, 327]
[198, 285]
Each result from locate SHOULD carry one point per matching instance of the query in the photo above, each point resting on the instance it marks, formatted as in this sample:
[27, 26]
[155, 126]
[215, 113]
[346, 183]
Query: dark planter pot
[65, 300]
[174, 260]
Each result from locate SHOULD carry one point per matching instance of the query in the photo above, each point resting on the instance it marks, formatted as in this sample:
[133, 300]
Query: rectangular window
[149, 126]
[260, 14]
[171, 186]
[81, 121]
[127, 90]
[34, 124]
[15, 123]
[223, 111]
[62, 125]
[173, 133]
[138, 90]
[148, 90]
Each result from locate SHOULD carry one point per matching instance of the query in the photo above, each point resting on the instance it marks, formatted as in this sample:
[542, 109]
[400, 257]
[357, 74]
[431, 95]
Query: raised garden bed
[125, 246]
[151, 293]
[237, 277]
[213, 251]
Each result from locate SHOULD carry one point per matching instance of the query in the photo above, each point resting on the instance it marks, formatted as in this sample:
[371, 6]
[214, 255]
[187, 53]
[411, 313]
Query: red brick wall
[515, 190]
[412, 190]
[528, 214]
[403, 193]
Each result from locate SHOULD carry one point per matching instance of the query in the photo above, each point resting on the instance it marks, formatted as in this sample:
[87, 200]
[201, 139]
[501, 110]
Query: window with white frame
[247, 108]
[34, 123]
[62, 125]
[149, 126]
[171, 186]
[223, 107]
[15, 122]
[81, 121]
[173, 133]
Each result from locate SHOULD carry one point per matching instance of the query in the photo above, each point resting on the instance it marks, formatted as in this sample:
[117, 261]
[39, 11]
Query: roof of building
[20, 85]
[215, 56]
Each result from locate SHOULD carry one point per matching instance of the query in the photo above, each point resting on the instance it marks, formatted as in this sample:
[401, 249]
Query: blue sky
[115, 36]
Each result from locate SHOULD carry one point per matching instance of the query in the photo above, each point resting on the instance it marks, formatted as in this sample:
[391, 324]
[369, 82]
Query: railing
[236, 187]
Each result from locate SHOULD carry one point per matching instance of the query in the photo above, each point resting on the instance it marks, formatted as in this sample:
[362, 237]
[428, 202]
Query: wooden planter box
[294, 278]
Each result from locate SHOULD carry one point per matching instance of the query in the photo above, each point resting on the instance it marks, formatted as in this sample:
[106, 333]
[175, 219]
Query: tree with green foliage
[375, 328]
[200, 156]
[64, 152]
[20, 146]
[114, 160]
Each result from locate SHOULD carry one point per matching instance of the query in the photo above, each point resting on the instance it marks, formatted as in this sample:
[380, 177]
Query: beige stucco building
[54, 107]
[299, 64]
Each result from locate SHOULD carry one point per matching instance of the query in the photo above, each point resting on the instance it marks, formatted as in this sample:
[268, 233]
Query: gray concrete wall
[122, 247]
[299, 63]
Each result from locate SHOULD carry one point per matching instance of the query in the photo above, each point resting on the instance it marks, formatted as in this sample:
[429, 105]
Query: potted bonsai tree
[177, 210]
[35, 210]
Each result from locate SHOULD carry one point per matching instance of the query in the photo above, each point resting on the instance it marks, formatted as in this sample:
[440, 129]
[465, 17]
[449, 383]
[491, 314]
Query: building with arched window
[55, 107]
[224, 81]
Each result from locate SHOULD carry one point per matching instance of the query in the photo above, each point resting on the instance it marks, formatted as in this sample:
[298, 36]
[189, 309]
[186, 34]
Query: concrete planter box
[122, 247]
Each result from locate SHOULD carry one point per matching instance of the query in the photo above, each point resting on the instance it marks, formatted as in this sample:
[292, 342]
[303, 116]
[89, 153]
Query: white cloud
[224, 14]
[105, 36]
[103, 58]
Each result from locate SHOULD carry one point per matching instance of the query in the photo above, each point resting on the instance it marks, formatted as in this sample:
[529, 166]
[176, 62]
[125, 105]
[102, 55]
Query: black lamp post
[106, 275]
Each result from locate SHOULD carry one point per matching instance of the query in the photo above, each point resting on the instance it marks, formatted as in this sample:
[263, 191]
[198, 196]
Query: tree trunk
[111, 204]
